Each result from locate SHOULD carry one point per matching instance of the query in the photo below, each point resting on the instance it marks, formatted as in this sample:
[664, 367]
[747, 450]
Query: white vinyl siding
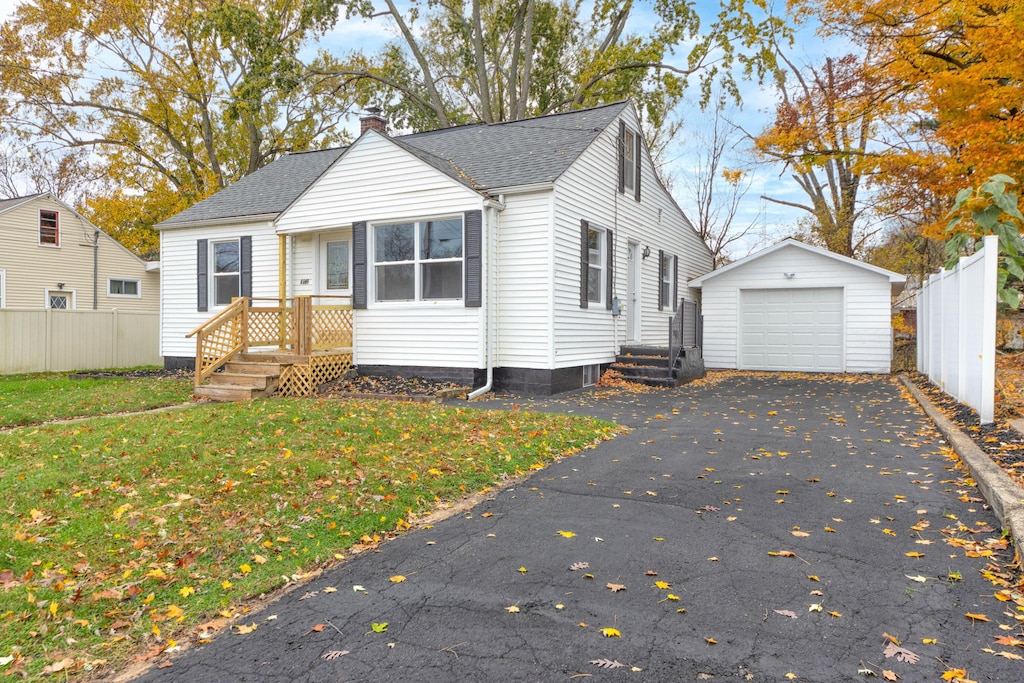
[866, 323]
[178, 278]
[525, 281]
[32, 268]
[378, 182]
[588, 190]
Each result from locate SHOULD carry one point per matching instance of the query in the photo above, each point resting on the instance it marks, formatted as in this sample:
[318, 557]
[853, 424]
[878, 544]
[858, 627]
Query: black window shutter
[661, 279]
[621, 148]
[359, 264]
[202, 275]
[473, 224]
[610, 261]
[584, 262]
[245, 254]
[675, 282]
[636, 175]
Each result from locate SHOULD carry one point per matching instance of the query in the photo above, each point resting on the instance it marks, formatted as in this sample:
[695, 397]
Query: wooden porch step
[281, 358]
[247, 380]
[251, 368]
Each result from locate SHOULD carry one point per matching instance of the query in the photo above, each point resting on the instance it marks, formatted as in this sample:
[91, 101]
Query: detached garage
[800, 308]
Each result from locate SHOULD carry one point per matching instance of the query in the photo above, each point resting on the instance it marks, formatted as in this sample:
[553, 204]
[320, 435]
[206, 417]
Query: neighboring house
[52, 257]
[797, 307]
[497, 247]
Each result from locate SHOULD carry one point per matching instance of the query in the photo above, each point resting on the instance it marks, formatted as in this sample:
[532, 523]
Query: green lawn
[31, 399]
[124, 535]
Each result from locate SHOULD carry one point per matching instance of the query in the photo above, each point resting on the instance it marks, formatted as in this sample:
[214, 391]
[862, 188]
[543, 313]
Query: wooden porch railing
[294, 325]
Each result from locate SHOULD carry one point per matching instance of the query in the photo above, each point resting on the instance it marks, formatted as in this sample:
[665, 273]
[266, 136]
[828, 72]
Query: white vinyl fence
[47, 340]
[956, 330]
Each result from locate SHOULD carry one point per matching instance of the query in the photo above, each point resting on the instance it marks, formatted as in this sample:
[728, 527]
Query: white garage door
[791, 329]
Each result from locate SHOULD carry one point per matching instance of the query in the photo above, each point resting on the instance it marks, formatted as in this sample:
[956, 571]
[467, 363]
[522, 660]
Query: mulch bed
[370, 386]
[1003, 443]
[159, 372]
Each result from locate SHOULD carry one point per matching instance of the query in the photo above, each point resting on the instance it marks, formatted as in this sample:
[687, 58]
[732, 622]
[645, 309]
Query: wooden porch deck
[265, 346]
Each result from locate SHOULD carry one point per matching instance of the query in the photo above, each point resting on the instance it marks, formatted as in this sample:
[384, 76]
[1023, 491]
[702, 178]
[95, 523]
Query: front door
[335, 260]
[633, 292]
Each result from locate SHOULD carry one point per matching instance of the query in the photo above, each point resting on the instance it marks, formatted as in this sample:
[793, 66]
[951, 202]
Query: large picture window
[418, 261]
[226, 272]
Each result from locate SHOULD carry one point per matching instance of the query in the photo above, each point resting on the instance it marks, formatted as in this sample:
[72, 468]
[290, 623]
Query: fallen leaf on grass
[901, 654]
[607, 663]
[334, 654]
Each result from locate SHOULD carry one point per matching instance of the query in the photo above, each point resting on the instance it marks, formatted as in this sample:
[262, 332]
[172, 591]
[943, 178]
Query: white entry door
[335, 264]
[633, 292]
[791, 329]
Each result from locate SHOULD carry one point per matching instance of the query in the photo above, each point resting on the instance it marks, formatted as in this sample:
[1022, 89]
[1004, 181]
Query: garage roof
[895, 279]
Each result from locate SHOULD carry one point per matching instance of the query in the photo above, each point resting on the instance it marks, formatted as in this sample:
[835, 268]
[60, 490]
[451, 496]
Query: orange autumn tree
[955, 69]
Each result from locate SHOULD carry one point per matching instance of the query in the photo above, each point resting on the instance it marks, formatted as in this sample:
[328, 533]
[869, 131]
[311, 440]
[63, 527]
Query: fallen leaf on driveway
[901, 654]
[615, 587]
[334, 654]
[512, 608]
[609, 632]
[786, 613]
[566, 534]
[976, 617]
[607, 663]
[245, 630]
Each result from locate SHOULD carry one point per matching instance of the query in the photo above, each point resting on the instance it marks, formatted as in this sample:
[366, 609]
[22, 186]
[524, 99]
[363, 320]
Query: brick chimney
[373, 119]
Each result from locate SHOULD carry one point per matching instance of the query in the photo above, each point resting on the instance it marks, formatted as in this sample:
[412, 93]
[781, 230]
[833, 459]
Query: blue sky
[773, 220]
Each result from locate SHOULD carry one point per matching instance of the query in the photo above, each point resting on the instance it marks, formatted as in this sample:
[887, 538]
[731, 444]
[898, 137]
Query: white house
[482, 251]
[793, 306]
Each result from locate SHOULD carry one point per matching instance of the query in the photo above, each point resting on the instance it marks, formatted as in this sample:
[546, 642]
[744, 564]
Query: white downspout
[490, 238]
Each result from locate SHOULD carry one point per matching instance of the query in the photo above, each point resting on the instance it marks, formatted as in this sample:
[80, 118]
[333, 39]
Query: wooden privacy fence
[956, 329]
[49, 340]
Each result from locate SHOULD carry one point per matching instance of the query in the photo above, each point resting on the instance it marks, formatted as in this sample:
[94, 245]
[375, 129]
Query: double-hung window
[419, 260]
[49, 228]
[666, 281]
[630, 148]
[226, 271]
[596, 247]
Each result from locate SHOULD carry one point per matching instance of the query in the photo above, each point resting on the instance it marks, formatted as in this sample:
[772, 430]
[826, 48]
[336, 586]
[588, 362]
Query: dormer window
[630, 147]
[49, 228]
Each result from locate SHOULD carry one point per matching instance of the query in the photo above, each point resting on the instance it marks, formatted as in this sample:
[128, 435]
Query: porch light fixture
[60, 285]
[647, 252]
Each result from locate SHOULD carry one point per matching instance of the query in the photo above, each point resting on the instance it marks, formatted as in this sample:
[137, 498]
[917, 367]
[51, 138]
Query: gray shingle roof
[481, 156]
[269, 190]
[489, 156]
[14, 201]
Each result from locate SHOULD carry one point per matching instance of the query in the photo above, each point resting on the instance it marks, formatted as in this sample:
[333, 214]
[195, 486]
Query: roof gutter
[211, 222]
[491, 209]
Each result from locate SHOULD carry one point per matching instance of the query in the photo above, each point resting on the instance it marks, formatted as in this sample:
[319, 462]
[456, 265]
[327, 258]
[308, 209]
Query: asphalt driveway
[798, 527]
